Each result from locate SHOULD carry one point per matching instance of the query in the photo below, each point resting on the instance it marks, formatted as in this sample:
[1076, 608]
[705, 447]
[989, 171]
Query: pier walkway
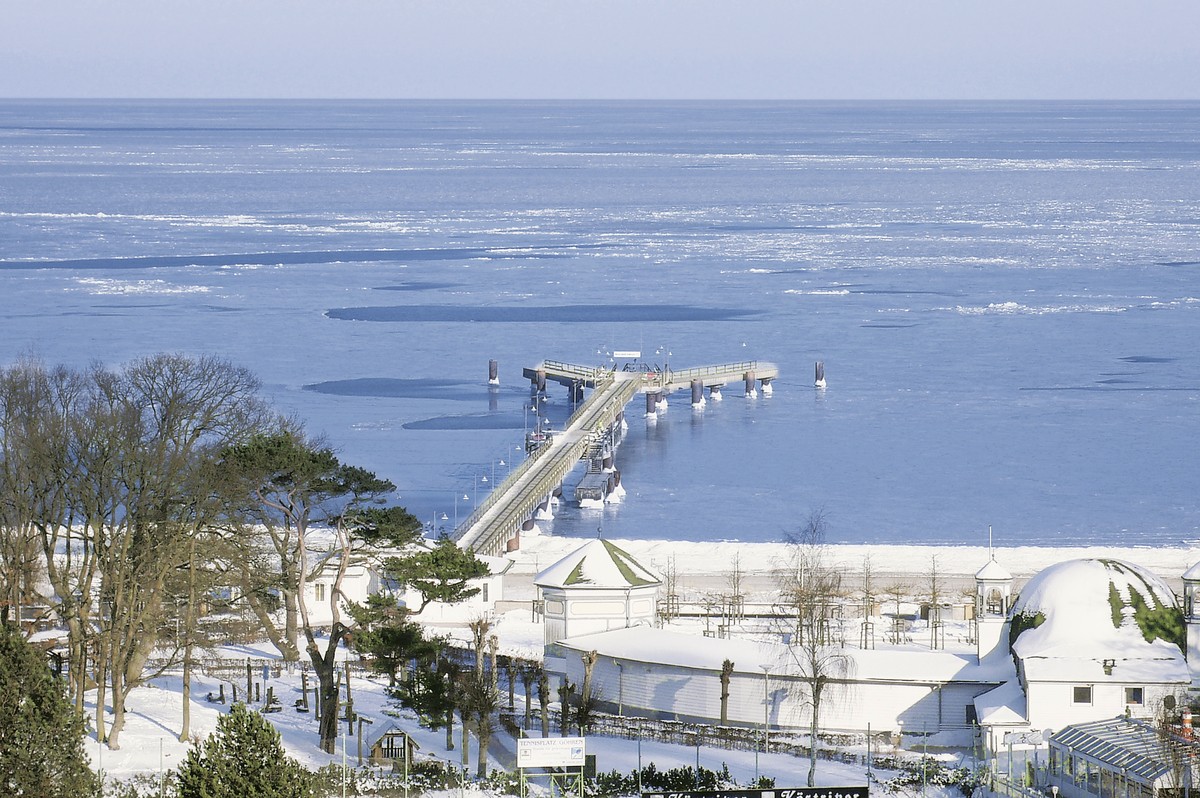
[494, 527]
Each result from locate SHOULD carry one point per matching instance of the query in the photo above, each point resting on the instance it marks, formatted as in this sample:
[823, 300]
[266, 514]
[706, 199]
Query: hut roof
[597, 564]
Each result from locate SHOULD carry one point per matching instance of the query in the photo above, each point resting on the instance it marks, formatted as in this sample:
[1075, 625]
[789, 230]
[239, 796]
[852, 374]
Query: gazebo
[597, 587]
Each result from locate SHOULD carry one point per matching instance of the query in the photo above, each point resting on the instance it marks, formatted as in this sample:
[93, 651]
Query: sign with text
[550, 752]
[625, 354]
[776, 792]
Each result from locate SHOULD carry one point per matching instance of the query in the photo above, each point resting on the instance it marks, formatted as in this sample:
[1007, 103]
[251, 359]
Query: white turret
[1191, 617]
[993, 597]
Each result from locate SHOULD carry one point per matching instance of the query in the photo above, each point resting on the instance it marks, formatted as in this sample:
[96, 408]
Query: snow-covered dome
[1097, 607]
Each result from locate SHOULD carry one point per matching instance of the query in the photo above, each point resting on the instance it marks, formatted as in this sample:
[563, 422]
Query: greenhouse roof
[1122, 745]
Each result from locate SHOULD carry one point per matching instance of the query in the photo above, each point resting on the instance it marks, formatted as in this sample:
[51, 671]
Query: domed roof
[1097, 607]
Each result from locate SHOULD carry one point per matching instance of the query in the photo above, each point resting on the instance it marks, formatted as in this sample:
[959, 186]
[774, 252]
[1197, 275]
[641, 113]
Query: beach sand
[707, 567]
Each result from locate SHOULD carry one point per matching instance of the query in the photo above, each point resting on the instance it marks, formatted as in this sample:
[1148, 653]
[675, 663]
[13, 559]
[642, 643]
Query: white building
[595, 588]
[1091, 639]
[1085, 640]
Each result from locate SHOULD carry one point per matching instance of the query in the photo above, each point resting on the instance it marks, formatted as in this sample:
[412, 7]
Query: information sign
[550, 752]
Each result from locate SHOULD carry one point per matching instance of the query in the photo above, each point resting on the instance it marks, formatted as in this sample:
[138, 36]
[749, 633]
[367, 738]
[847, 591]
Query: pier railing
[592, 415]
[593, 374]
[670, 378]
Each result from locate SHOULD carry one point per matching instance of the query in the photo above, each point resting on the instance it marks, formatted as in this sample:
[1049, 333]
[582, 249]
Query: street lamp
[766, 708]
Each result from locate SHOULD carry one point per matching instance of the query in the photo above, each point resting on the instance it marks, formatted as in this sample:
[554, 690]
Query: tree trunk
[287, 644]
[466, 742]
[726, 672]
[185, 724]
[118, 705]
[327, 690]
[813, 723]
[544, 701]
[484, 733]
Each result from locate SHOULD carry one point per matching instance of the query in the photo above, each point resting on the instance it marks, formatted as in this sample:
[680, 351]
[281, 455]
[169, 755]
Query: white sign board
[627, 353]
[550, 752]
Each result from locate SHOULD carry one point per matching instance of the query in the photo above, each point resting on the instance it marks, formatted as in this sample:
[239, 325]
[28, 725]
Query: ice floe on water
[112, 287]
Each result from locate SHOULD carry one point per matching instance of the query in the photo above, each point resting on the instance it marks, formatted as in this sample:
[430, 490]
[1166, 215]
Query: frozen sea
[1006, 296]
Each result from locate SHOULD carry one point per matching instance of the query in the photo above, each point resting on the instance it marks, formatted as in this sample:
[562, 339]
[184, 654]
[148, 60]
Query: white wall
[695, 694]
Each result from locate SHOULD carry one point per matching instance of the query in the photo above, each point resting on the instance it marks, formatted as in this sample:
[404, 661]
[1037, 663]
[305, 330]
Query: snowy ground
[150, 740]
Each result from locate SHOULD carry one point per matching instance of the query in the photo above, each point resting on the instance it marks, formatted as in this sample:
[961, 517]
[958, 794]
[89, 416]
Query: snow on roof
[1002, 706]
[1141, 670]
[1097, 608]
[665, 647]
[993, 571]
[1193, 572]
[597, 564]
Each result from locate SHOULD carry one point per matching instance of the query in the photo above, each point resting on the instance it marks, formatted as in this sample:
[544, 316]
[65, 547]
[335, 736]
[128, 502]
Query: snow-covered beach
[705, 566]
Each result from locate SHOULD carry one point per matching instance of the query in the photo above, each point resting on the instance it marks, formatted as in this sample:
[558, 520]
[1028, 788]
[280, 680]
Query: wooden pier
[495, 525]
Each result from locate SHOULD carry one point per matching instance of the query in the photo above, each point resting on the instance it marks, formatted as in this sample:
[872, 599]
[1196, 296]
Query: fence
[729, 738]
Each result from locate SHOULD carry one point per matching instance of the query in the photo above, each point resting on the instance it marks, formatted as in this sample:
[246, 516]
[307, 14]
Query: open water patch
[1146, 359]
[542, 313]
[392, 388]
[487, 421]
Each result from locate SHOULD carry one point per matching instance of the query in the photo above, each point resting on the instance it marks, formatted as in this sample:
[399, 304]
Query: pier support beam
[749, 380]
[714, 391]
[820, 378]
[651, 403]
[493, 373]
[697, 392]
[767, 390]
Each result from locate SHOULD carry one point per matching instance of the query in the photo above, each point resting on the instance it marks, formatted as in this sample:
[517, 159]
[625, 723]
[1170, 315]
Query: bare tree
[937, 638]
[867, 629]
[735, 580]
[897, 592]
[809, 587]
[669, 605]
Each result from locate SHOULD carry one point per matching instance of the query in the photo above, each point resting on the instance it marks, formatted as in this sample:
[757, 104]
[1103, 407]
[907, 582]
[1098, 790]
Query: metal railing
[564, 457]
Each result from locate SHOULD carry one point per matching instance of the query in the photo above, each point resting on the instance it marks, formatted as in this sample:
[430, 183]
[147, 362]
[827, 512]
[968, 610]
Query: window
[319, 590]
[483, 593]
[1083, 694]
[1133, 695]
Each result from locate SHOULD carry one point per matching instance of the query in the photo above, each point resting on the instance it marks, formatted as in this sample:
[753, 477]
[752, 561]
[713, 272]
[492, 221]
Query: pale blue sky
[757, 49]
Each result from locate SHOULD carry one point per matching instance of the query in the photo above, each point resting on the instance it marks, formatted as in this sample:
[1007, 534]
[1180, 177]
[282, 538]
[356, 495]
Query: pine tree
[243, 757]
[41, 735]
